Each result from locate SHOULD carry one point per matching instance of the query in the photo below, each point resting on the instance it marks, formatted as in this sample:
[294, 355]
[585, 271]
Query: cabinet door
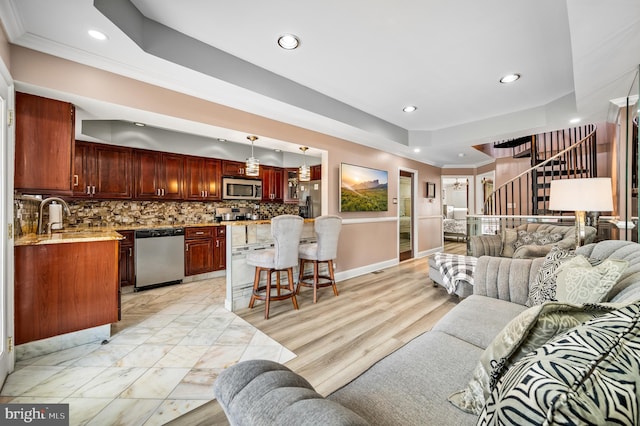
[193, 178]
[146, 164]
[126, 260]
[44, 135]
[82, 169]
[316, 172]
[112, 172]
[198, 257]
[172, 176]
[267, 182]
[212, 179]
[291, 186]
[220, 254]
[232, 168]
[278, 184]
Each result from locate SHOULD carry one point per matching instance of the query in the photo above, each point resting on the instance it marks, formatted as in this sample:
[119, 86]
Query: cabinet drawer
[221, 231]
[128, 238]
[199, 232]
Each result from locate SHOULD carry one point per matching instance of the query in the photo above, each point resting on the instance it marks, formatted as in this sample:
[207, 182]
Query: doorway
[405, 215]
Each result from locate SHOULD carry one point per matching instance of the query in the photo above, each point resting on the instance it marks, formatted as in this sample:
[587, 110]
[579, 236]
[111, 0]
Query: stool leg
[300, 274]
[267, 299]
[278, 282]
[291, 288]
[315, 281]
[256, 282]
[333, 280]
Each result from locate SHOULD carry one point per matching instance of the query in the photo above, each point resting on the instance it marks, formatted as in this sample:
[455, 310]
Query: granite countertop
[76, 234]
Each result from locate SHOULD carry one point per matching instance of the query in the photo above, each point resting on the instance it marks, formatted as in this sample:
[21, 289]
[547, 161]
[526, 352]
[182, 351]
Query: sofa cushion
[543, 288]
[537, 238]
[410, 386]
[525, 333]
[580, 282]
[590, 375]
[483, 318]
[509, 237]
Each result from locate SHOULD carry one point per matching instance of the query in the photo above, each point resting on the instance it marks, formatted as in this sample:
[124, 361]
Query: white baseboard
[429, 252]
[352, 273]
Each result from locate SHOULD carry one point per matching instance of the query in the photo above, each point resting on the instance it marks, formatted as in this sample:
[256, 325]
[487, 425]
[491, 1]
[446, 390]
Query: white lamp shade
[588, 195]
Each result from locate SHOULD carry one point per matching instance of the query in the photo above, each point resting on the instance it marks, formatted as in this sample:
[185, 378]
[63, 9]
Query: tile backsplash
[90, 213]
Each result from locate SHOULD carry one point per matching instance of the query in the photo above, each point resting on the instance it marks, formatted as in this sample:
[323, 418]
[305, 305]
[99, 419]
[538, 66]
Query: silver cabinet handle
[88, 190]
[200, 233]
[217, 243]
[186, 247]
[163, 192]
[75, 180]
[93, 190]
[130, 252]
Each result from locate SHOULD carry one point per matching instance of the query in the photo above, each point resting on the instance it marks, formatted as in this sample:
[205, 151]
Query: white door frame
[7, 152]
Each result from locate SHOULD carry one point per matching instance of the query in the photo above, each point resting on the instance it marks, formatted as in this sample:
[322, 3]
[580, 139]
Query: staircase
[563, 154]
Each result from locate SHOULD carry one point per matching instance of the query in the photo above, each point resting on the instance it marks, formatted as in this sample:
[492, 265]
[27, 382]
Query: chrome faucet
[44, 203]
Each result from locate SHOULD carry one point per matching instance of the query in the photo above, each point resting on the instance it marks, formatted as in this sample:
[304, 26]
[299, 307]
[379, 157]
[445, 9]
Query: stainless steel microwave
[241, 189]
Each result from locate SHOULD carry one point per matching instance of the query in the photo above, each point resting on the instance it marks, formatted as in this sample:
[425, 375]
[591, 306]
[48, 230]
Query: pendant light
[304, 173]
[252, 164]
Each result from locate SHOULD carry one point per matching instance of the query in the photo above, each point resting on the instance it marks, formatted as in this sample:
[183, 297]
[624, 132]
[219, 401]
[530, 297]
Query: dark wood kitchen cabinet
[102, 171]
[198, 250]
[316, 172]
[158, 175]
[272, 183]
[220, 249]
[202, 179]
[127, 258]
[233, 168]
[62, 288]
[44, 136]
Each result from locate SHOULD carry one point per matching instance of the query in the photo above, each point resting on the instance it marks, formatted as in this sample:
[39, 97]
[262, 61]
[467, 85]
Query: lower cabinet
[62, 288]
[126, 264]
[204, 249]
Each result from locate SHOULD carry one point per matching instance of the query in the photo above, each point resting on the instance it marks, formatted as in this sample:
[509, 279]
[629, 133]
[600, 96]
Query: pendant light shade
[252, 166]
[304, 173]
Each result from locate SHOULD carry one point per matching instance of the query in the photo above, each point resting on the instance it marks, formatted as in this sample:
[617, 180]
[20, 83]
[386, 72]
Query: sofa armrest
[262, 392]
[505, 278]
[485, 245]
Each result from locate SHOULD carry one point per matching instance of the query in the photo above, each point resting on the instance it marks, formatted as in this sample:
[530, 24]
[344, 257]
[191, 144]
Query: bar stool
[286, 231]
[325, 250]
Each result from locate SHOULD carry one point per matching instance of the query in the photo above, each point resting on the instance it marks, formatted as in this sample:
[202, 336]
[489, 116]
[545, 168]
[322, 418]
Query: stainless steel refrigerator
[311, 198]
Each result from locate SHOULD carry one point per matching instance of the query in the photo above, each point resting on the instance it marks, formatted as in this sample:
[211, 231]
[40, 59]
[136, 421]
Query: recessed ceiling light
[461, 154]
[510, 78]
[410, 108]
[288, 41]
[416, 150]
[98, 35]
[222, 140]
[137, 123]
[574, 120]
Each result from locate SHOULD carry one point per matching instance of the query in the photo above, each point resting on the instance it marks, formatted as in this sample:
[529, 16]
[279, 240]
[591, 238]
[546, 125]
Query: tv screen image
[363, 189]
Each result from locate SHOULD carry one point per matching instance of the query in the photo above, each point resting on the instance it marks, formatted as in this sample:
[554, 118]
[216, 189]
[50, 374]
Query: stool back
[286, 230]
[328, 231]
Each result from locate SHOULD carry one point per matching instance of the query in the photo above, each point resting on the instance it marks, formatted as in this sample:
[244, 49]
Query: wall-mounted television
[363, 189]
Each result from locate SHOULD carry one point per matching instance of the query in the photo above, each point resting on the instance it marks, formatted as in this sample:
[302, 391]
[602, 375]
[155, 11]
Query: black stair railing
[564, 154]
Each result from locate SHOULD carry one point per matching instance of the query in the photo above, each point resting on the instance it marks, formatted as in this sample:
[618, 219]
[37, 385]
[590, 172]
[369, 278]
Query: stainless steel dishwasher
[159, 257]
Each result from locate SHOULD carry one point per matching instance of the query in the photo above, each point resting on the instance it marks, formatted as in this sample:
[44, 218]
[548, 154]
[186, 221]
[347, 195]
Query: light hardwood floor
[338, 338]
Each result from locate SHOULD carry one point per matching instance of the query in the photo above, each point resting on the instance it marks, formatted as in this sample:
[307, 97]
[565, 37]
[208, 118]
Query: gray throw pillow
[509, 237]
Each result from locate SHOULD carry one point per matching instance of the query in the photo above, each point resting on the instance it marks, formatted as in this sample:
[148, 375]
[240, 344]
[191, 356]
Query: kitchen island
[242, 238]
[65, 290]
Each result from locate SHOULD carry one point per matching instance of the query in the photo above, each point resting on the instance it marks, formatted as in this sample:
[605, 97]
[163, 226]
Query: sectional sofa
[478, 363]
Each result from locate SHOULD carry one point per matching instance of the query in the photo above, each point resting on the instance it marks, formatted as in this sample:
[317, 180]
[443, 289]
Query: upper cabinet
[291, 189]
[44, 137]
[233, 168]
[102, 171]
[202, 179]
[158, 175]
[272, 183]
[316, 172]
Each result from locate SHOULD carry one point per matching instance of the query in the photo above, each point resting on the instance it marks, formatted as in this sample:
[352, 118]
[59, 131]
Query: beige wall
[368, 239]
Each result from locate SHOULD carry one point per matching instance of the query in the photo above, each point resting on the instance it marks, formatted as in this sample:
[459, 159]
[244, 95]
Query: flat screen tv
[363, 189]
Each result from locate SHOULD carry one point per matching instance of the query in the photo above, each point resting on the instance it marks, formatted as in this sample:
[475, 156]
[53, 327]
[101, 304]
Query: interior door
[6, 228]
[405, 216]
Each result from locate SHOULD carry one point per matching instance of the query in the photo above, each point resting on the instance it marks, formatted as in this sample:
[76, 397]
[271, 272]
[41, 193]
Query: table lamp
[581, 195]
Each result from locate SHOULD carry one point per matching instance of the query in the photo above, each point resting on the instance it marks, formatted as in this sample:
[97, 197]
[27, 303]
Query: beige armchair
[527, 241]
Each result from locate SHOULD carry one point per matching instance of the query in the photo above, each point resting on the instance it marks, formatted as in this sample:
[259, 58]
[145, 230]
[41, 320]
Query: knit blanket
[454, 269]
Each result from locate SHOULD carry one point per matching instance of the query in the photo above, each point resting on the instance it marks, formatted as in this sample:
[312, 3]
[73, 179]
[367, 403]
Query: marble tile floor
[160, 362]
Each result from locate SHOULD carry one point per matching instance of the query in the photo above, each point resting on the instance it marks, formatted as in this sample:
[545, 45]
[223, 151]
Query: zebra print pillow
[590, 375]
